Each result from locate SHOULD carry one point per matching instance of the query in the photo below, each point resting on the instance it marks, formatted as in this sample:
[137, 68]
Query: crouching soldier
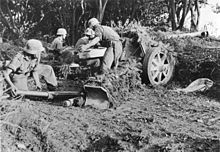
[27, 63]
[58, 43]
[108, 38]
[89, 34]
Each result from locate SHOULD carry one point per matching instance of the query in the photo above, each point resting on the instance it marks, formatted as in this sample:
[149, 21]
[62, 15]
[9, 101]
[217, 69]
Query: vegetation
[144, 118]
[31, 18]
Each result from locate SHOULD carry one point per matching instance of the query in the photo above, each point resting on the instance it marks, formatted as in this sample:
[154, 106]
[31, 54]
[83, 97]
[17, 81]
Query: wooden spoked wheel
[157, 66]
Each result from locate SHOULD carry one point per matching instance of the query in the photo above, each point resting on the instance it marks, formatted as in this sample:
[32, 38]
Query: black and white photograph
[109, 75]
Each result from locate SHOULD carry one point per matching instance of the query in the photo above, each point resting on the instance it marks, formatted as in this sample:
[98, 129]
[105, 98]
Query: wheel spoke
[155, 74]
[155, 62]
[159, 58]
[159, 77]
[164, 58]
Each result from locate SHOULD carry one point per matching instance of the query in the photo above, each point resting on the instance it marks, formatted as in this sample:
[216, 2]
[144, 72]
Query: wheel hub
[161, 68]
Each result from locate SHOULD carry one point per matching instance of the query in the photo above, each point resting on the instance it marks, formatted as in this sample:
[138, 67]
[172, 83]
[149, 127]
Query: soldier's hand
[39, 88]
[14, 90]
[83, 48]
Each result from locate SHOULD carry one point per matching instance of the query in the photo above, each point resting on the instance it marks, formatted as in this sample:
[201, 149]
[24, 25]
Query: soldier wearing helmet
[27, 63]
[58, 43]
[108, 38]
[89, 34]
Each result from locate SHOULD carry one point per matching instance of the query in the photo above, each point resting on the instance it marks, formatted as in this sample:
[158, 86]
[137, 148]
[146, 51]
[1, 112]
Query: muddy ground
[145, 119]
[149, 120]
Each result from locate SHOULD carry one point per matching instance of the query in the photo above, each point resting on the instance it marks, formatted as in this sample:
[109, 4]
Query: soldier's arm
[6, 74]
[36, 79]
[35, 73]
[13, 66]
[52, 46]
[93, 42]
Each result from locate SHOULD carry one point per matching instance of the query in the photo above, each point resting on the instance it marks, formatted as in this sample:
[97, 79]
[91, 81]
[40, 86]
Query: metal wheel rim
[159, 67]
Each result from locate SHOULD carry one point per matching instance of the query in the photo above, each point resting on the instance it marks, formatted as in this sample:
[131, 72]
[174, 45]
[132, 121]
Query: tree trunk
[198, 13]
[195, 15]
[193, 18]
[9, 24]
[172, 8]
[178, 11]
[184, 13]
[134, 8]
[101, 11]
[73, 27]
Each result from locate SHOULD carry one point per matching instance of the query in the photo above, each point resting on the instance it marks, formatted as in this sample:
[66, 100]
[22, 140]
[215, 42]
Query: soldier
[89, 34]
[108, 38]
[58, 43]
[27, 63]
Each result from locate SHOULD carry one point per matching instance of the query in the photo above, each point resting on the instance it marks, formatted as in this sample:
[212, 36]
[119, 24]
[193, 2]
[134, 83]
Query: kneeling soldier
[28, 62]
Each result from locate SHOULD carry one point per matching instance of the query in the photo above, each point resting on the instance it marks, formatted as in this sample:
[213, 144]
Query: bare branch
[10, 16]
[4, 20]
[82, 6]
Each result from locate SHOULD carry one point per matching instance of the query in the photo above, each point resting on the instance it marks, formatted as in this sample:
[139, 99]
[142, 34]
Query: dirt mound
[196, 58]
[144, 118]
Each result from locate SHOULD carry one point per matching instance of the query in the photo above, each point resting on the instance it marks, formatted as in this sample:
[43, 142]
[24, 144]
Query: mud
[148, 120]
[143, 118]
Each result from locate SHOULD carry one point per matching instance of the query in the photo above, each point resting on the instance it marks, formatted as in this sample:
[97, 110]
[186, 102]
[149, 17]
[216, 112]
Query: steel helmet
[61, 31]
[33, 46]
[93, 21]
[89, 32]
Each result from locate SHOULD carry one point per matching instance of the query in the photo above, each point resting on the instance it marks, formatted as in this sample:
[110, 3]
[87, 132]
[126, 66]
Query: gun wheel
[157, 67]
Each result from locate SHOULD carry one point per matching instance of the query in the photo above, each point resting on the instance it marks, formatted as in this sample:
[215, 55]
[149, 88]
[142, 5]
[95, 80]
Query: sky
[209, 19]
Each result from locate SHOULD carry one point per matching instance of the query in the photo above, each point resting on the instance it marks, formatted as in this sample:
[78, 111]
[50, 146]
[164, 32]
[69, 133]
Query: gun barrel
[51, 94]
[193, 34]
[95, 96]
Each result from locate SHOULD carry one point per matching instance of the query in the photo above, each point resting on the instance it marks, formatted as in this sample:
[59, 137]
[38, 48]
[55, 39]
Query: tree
[195, 14]
[35, 18]
[102, 6]
[179, 9]
[19, 17]
[6, 18]
[172, 12]
[185, 11]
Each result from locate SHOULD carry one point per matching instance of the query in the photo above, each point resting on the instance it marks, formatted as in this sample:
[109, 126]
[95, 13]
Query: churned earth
[147, 120]
[144, 118]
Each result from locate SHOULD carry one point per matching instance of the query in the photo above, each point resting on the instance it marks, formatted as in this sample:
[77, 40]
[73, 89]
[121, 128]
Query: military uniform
[82, 41]
[110, 39]
[22, 67]
[95, 63]
[57, 46]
